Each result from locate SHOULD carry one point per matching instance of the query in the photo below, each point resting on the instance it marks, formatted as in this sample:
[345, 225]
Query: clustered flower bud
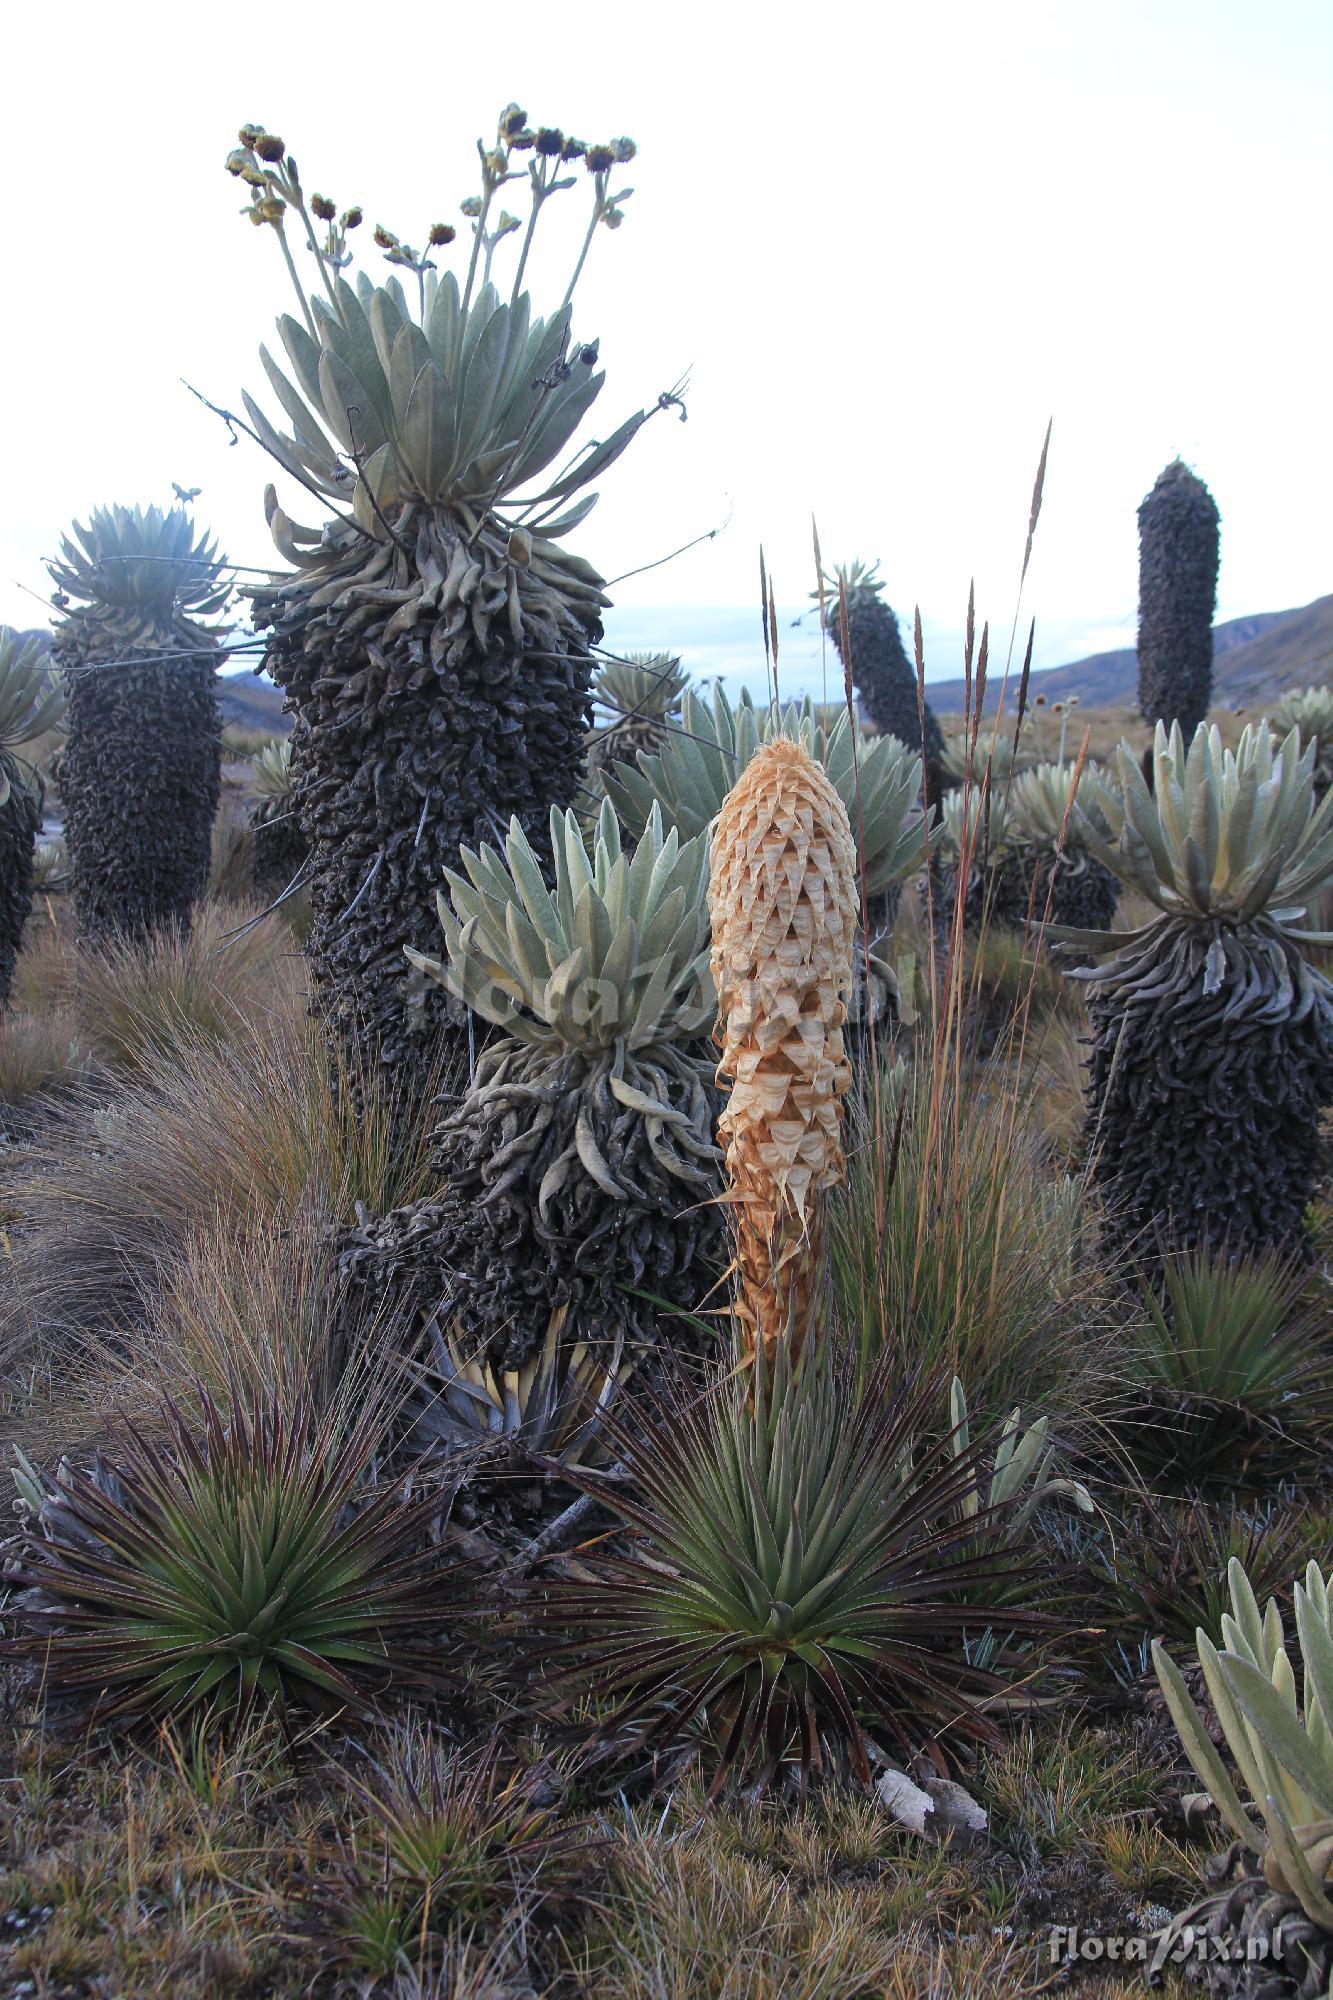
[272, 192]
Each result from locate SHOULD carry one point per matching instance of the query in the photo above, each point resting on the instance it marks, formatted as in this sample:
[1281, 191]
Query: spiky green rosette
[1212, 1044]
[141, 768]
[433, 640]
[881, 672]
[241, 1559]
[1178, 556]
[1051, 872]
[993, 751]
[634, 700]
[580, 1165]
[878, 781]
[277, 845]
[29, 703]
[797, 1576]
[1311, 711]
[977, 841]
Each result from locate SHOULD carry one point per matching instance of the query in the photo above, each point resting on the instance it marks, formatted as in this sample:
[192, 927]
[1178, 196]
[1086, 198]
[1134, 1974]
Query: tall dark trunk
[1178, 558]
[20, 823]
[278, 848]
[140, 772]
[414, 735]
[1203, 1107]
[886, 681]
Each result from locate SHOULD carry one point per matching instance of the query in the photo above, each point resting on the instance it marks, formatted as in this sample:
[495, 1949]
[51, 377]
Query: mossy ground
[183, 1866]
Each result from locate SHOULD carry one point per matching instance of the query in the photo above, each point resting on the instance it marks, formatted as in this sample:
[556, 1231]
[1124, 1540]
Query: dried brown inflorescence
[783, 899]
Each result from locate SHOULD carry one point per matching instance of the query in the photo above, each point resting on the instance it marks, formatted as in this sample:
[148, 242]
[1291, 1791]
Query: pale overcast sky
[887, 242]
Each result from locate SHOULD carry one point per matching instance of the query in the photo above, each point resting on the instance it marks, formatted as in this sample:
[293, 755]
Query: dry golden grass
[40, 1055]
[232, 978]
[239, 1311]
[230, 874]
[1006, 976]
[243, 1136]
[957, 1248]
[1106, 726]
[41, 976]
[1058, 1793]
[207, 1868]
[241, 742]
[829, 1901]
[691, 1920]
[132, 1001]
[1057, 1067]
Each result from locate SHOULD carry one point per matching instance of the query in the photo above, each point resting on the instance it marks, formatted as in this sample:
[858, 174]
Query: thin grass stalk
[1025, 1005]
[849, 698]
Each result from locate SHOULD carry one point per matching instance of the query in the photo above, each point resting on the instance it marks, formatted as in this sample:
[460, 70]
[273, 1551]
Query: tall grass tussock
[240, 1137]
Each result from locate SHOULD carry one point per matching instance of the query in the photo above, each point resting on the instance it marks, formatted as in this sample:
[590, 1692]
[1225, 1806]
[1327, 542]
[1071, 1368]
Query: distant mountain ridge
[251, 703]
[1255, 659]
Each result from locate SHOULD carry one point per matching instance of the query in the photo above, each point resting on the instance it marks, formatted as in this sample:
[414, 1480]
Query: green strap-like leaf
[1199, 1749]
[1278, 1730]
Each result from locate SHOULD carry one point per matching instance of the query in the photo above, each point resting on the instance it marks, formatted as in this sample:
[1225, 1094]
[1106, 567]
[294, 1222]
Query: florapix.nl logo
[1180, 1944]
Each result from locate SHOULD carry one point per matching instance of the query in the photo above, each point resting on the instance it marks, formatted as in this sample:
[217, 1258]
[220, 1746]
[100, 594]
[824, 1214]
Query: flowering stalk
[262, 161]
[782, 896]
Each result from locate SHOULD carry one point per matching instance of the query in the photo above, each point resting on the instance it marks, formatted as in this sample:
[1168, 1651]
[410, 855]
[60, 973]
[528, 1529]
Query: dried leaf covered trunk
[141, 771]
[783, 900]
[520, 1227]
[421, 726]
[278, 847]
[1178, 557]
[20, 823]
[1204, 1105]
[1080, 891]
[886, 681]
